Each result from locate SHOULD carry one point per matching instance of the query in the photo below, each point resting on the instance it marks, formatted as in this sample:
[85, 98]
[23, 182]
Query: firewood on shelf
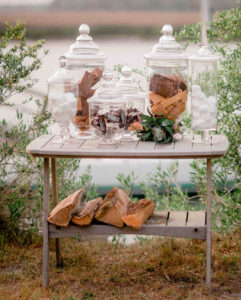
[85, 214]
[113, 207]
[61, 214]
[137, 213]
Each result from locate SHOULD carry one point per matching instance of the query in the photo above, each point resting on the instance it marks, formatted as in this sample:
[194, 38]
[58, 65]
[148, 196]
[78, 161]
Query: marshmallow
[203, 108]
[63, 106]
[196, 89]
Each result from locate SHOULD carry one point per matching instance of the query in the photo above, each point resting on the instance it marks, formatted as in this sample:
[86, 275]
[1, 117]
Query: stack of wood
[86, 91]
[116, 209]
[168, 95]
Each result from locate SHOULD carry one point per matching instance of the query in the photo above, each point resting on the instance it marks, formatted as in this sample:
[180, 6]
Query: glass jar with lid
[63, 93]
[107, 111]
[203, 65]
[86, 62]
[167, 75]
[135, 103]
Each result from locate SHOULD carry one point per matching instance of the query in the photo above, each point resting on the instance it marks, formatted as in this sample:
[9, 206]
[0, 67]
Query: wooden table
[191, 224]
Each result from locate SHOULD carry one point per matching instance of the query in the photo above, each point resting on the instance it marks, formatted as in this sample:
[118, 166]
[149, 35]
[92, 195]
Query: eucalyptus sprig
[156, 128]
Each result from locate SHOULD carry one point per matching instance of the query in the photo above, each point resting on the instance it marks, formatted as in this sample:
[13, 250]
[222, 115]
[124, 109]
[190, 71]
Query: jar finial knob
[107, 75]
[62, 61]
[126, 71]
[84, 29]
[167, 29]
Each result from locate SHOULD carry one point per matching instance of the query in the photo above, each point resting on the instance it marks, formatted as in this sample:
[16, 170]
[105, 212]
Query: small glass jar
[167, 75]
[203, 65]
[62, 99]
[86, 62]
[135, 103]
[107, 111]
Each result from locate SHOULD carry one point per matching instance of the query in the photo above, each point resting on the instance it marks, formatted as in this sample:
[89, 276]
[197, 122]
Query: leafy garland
[156, 128]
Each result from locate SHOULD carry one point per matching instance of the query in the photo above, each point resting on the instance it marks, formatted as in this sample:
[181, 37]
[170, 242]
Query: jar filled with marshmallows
[63, 94]
[203, 65]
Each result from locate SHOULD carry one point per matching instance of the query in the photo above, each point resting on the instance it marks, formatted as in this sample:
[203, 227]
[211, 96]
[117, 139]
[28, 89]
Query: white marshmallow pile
[63, 107]
[204, 110]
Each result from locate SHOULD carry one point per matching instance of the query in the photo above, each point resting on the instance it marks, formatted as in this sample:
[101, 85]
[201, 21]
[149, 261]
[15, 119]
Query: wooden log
[137, 213]
[61, 214]
[86, 213]
[113, 207]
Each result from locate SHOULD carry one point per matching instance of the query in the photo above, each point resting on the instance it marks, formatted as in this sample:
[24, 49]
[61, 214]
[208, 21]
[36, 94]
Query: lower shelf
[183, 224]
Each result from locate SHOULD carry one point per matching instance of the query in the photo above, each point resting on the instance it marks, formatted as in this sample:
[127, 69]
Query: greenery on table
[156, 128]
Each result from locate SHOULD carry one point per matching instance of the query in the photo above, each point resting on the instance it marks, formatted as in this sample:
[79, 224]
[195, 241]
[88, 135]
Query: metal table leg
[45, 224]
[208, 238]
[59, 261]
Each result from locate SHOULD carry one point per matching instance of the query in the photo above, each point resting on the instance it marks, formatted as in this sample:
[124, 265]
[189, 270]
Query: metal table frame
[44, 147]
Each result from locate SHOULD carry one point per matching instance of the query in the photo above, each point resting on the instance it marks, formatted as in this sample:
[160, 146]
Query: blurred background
[125, 30]
[59, 18]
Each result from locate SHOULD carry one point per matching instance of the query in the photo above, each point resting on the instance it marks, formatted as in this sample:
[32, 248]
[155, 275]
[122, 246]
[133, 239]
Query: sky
[23, 2]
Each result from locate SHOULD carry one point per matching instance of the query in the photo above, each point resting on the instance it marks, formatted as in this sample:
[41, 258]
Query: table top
[45, 146]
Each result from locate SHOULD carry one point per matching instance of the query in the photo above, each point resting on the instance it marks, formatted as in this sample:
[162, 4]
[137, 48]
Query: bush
[21, 183]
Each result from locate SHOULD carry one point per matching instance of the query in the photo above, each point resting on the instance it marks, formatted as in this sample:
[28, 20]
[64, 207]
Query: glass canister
[86, 62]
[167, 75]
[107, 111]
[203, 65]
[63, 94]
[135, 103]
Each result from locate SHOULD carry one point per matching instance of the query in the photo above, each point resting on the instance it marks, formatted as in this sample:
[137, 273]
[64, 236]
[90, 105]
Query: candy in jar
[107, 111]
[135, 103]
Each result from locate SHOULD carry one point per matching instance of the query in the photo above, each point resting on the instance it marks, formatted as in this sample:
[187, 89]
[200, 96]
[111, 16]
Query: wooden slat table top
[44, 146]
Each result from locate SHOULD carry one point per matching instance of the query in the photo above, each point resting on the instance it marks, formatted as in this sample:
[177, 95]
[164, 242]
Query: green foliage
[127, 182]
[225, 27]
[156, 128]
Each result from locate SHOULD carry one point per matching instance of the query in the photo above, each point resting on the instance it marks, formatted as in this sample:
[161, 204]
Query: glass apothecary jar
[167, 75]
[107, 111]
[135, 103]
[63, 94]
[86, 62]
[203, 66]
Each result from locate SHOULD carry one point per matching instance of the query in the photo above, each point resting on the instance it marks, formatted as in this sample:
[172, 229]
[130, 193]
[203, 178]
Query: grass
[155, 269]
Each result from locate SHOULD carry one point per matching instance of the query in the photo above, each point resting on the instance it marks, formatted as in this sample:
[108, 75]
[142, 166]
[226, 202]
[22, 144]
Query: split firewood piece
[62, 212]
[85, 88]
[137, 213]
[85, 214]
[113, 207]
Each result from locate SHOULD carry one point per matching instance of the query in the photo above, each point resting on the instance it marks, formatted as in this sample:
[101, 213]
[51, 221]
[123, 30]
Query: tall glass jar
[135, 103]
[86, 62]
[203, 65]
[107, 111]
[63, 94]
[167, 75]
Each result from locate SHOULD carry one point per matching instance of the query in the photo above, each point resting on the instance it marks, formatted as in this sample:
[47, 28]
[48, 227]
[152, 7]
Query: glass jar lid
[204, 53]
[107, 92]
[85, 49]
[62, 76]
[167, 48]
[126, 84]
